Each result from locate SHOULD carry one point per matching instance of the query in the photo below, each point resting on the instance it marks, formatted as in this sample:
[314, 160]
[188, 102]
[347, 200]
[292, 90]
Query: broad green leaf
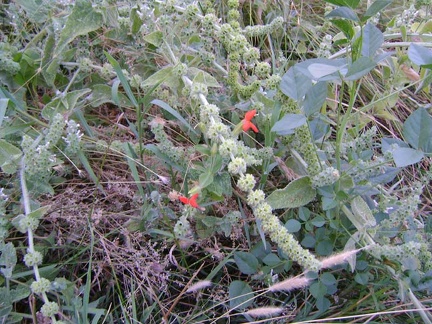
[50, 64]
[360, 68]
[372, 39]
[246, 262]
[102, 93]
[36, 10]
[362, 278]
[328, 279]
[323, 304]
[271, 260]
[206, 179]
[3, 105]
[343, 12]
[308, 241]
[8, 257]
[40, 212]
[293, 225]
[295, 84]
[375, 8]
[417, 130]
[83, 20]
[296, 194]
[63, 103]
[201, 76]
[362, 212]
[420, 55]
[288, 124]
[345, 26]
[9, 156]
[404, 156]
[221, 185]
[173, 112]
[318, 289]
[154, 38]
[158, 77]
[322, 69]
[324, 247]
[240, 294]
[315, 98]
[135, 20]
[347, 3]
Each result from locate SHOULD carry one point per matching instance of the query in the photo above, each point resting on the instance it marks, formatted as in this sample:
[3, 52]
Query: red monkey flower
[190, 201]
[247, 124]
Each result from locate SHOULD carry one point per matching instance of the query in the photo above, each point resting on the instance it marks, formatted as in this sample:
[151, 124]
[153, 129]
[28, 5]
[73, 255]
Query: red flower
[190, 201]
[247, 124]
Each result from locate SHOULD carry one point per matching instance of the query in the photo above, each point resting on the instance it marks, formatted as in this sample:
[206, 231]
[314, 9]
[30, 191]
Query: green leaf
[295, 84]
[293, 225]
[420, 55]
[63, 103]
[323, 304]
[158, 77]
[308, 241]
[50, 65]
[417, 130]
[246, 262]
[40, 212]
[271, 260]
[360, 68]
[9, 156]
[136, 21]
[324, 247]
[348, 3]
[318, 289]
[102, 94]
[83, 20]
[372, 39]
[205, 179]
[3, 105]
[8, 257]
[154, 38]
[322, 69]
[201, 76]
[362, 278]
[375, 8]
[288, 124]
[122, 78]
[404, 156]
[173, 112]
[315, 98]
[36, 10]
[343, 12]
[345, 26]
[296, 194]
[318, 221]
[240, 294]
[362, 212]
[328, 279]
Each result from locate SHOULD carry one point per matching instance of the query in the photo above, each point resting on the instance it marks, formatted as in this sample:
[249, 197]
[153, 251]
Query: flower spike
[247, 124]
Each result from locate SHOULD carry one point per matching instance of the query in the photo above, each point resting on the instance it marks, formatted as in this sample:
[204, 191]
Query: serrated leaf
[295, 84]
[240, 295]
[83, 20]
[246, 262]
[8, 257]
[362, 212]
[63, 103]
[9, 155]
[359, 68]
[343, 12]
[288, 124]
[417, 130]
[420, 55]
[296, 194]
[372, 39]
[404, 156]
[375, 8]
